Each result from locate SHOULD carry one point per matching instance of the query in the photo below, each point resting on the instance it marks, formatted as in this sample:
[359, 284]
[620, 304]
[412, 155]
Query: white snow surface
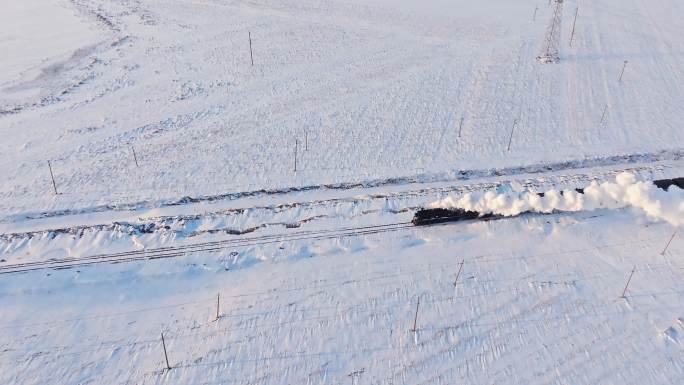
[370, 89]
[626, 191]
[36, 39]
[391, 105]
[538, 301]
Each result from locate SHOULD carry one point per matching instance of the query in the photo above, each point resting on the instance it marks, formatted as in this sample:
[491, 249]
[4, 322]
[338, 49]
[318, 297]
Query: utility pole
[251, 56]
[551, 49]
[628, 281]
[415, 319]
[459, 273]
[624, 65]
[668, 244]
[54, 185]
[166, 356]
[135, 157]
[295, 154]
[218, 305]
[572, 35]
[603, 116]
[510, 139]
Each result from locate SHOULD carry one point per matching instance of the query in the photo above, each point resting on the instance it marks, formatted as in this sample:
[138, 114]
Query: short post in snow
[603, 116]
[166, 356]
[295, 154]
[54, 185]
[251, 56]
[218, 305]
[460, 267]
[627, 285]
[668, 243]
[135, 157]
[624, 65]
[572, 34]
[415, 319]
[510, 139]
[306, 140]
[460, 126]
[534, 17]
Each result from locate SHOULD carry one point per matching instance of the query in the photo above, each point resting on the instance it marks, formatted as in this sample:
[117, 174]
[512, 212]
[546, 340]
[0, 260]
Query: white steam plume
[625, 192]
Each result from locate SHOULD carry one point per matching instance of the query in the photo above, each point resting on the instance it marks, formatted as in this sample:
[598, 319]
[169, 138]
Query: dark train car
[431, 216]
[666, 183]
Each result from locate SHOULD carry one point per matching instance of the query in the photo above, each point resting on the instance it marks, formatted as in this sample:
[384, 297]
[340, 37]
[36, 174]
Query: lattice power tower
[551, 50]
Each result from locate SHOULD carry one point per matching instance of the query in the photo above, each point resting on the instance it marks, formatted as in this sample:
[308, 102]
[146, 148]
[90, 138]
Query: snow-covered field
[174, 164]
[370, 89]
[537, 302]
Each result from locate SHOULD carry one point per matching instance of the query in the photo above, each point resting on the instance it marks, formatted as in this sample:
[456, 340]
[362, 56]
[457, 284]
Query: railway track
[215, 246]
[204, 247]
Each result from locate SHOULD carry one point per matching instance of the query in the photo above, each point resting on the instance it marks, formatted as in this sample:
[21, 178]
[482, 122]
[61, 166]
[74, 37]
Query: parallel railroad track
[206, 247]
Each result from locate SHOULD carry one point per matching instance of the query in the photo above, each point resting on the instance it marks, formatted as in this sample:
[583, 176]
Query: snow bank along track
[171, 252]
[637, 162]
[422, 217]
[401, 201]
[222, 245]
